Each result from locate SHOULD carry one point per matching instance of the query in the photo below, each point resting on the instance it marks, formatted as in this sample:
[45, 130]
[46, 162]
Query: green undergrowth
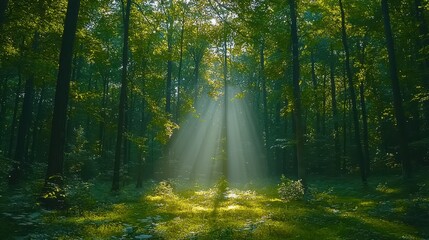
[340, 208]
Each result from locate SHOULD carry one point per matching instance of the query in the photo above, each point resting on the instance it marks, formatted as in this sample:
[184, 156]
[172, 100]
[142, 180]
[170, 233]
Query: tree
[352, 96]
[24, 125]
[397, 96]
[299, 131]
[54, 172]
[122, 101]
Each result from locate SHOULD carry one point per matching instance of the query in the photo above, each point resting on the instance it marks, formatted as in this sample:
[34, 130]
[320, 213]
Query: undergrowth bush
[164, 188]
[78, 195]
[290, 190]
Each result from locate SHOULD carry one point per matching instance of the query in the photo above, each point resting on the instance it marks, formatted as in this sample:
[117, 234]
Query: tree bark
[57, 141]
[397, 96]
[353, 97]
[122, 102]
[299, 132]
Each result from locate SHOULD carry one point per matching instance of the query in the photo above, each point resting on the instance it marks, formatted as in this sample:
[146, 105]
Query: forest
[217, 119]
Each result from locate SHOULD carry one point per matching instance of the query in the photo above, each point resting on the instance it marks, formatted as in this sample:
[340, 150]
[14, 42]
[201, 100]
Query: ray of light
[197, 149]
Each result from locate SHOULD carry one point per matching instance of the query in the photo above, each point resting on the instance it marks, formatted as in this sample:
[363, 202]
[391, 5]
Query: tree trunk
[102, 131]
[170, 61]
[423, 43]
[122, 102]
[37, 122]
[57, 142]
[297, 94]
[396, 90]
[20, 164]
[264, 102]
[336, 133]
[316, 98]
[224, 138]
[365, 128]
[15, 113]
[179, 75]
[352, 96]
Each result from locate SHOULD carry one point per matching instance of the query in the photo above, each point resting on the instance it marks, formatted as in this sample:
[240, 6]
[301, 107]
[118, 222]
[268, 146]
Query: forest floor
[339, 208]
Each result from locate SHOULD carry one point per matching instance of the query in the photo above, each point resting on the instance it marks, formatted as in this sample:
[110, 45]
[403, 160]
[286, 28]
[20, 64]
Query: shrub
[164, 188]
[290, 190]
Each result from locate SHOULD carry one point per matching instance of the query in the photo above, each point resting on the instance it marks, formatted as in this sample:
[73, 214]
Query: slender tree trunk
[102, 131]
[316, 98]
[264, 102]
[353, 97]
[364, 112]
[336, 132]
[57, 142]
[15, 113]
[20, 164]
[143, 129]
[397, 98]
[170, 61]
[365, 128]
[225, 117]
[299, 132]
[37, 124]
[179, 75]
[423, 43]
[122, 102]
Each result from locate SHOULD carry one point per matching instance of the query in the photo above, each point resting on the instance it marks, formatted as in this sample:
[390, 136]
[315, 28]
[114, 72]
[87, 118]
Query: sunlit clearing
[197, 150]
[213, 21]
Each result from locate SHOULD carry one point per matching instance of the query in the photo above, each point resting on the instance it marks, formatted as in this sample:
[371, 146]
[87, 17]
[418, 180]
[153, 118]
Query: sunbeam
[197, 148]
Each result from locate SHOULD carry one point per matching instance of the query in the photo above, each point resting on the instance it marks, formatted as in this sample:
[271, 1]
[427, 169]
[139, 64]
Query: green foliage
[79, 161]
[290, 190]
[78, 196]
[5, 168]
[164, 188]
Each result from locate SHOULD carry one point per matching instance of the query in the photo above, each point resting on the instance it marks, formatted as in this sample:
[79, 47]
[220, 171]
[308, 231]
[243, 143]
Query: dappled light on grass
[173, 210]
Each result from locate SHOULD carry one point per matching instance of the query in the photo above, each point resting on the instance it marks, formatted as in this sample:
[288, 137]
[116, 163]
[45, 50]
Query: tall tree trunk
[37, 124]
[170, 61]
[20, 164]
[299, 132]
[352, 96]
[423, 44]
[316, 98]
[336, 132]
[396, 90]
[365, 128]
[225, 117]
[122, 101]
[264, 102]
[102, 131]
[14, 116]
[364, 112]
[179, 75]
[143, 129]
[57, 142]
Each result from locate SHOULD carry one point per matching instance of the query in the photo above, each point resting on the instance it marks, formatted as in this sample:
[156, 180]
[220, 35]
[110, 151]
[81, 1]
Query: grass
[333, 209]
